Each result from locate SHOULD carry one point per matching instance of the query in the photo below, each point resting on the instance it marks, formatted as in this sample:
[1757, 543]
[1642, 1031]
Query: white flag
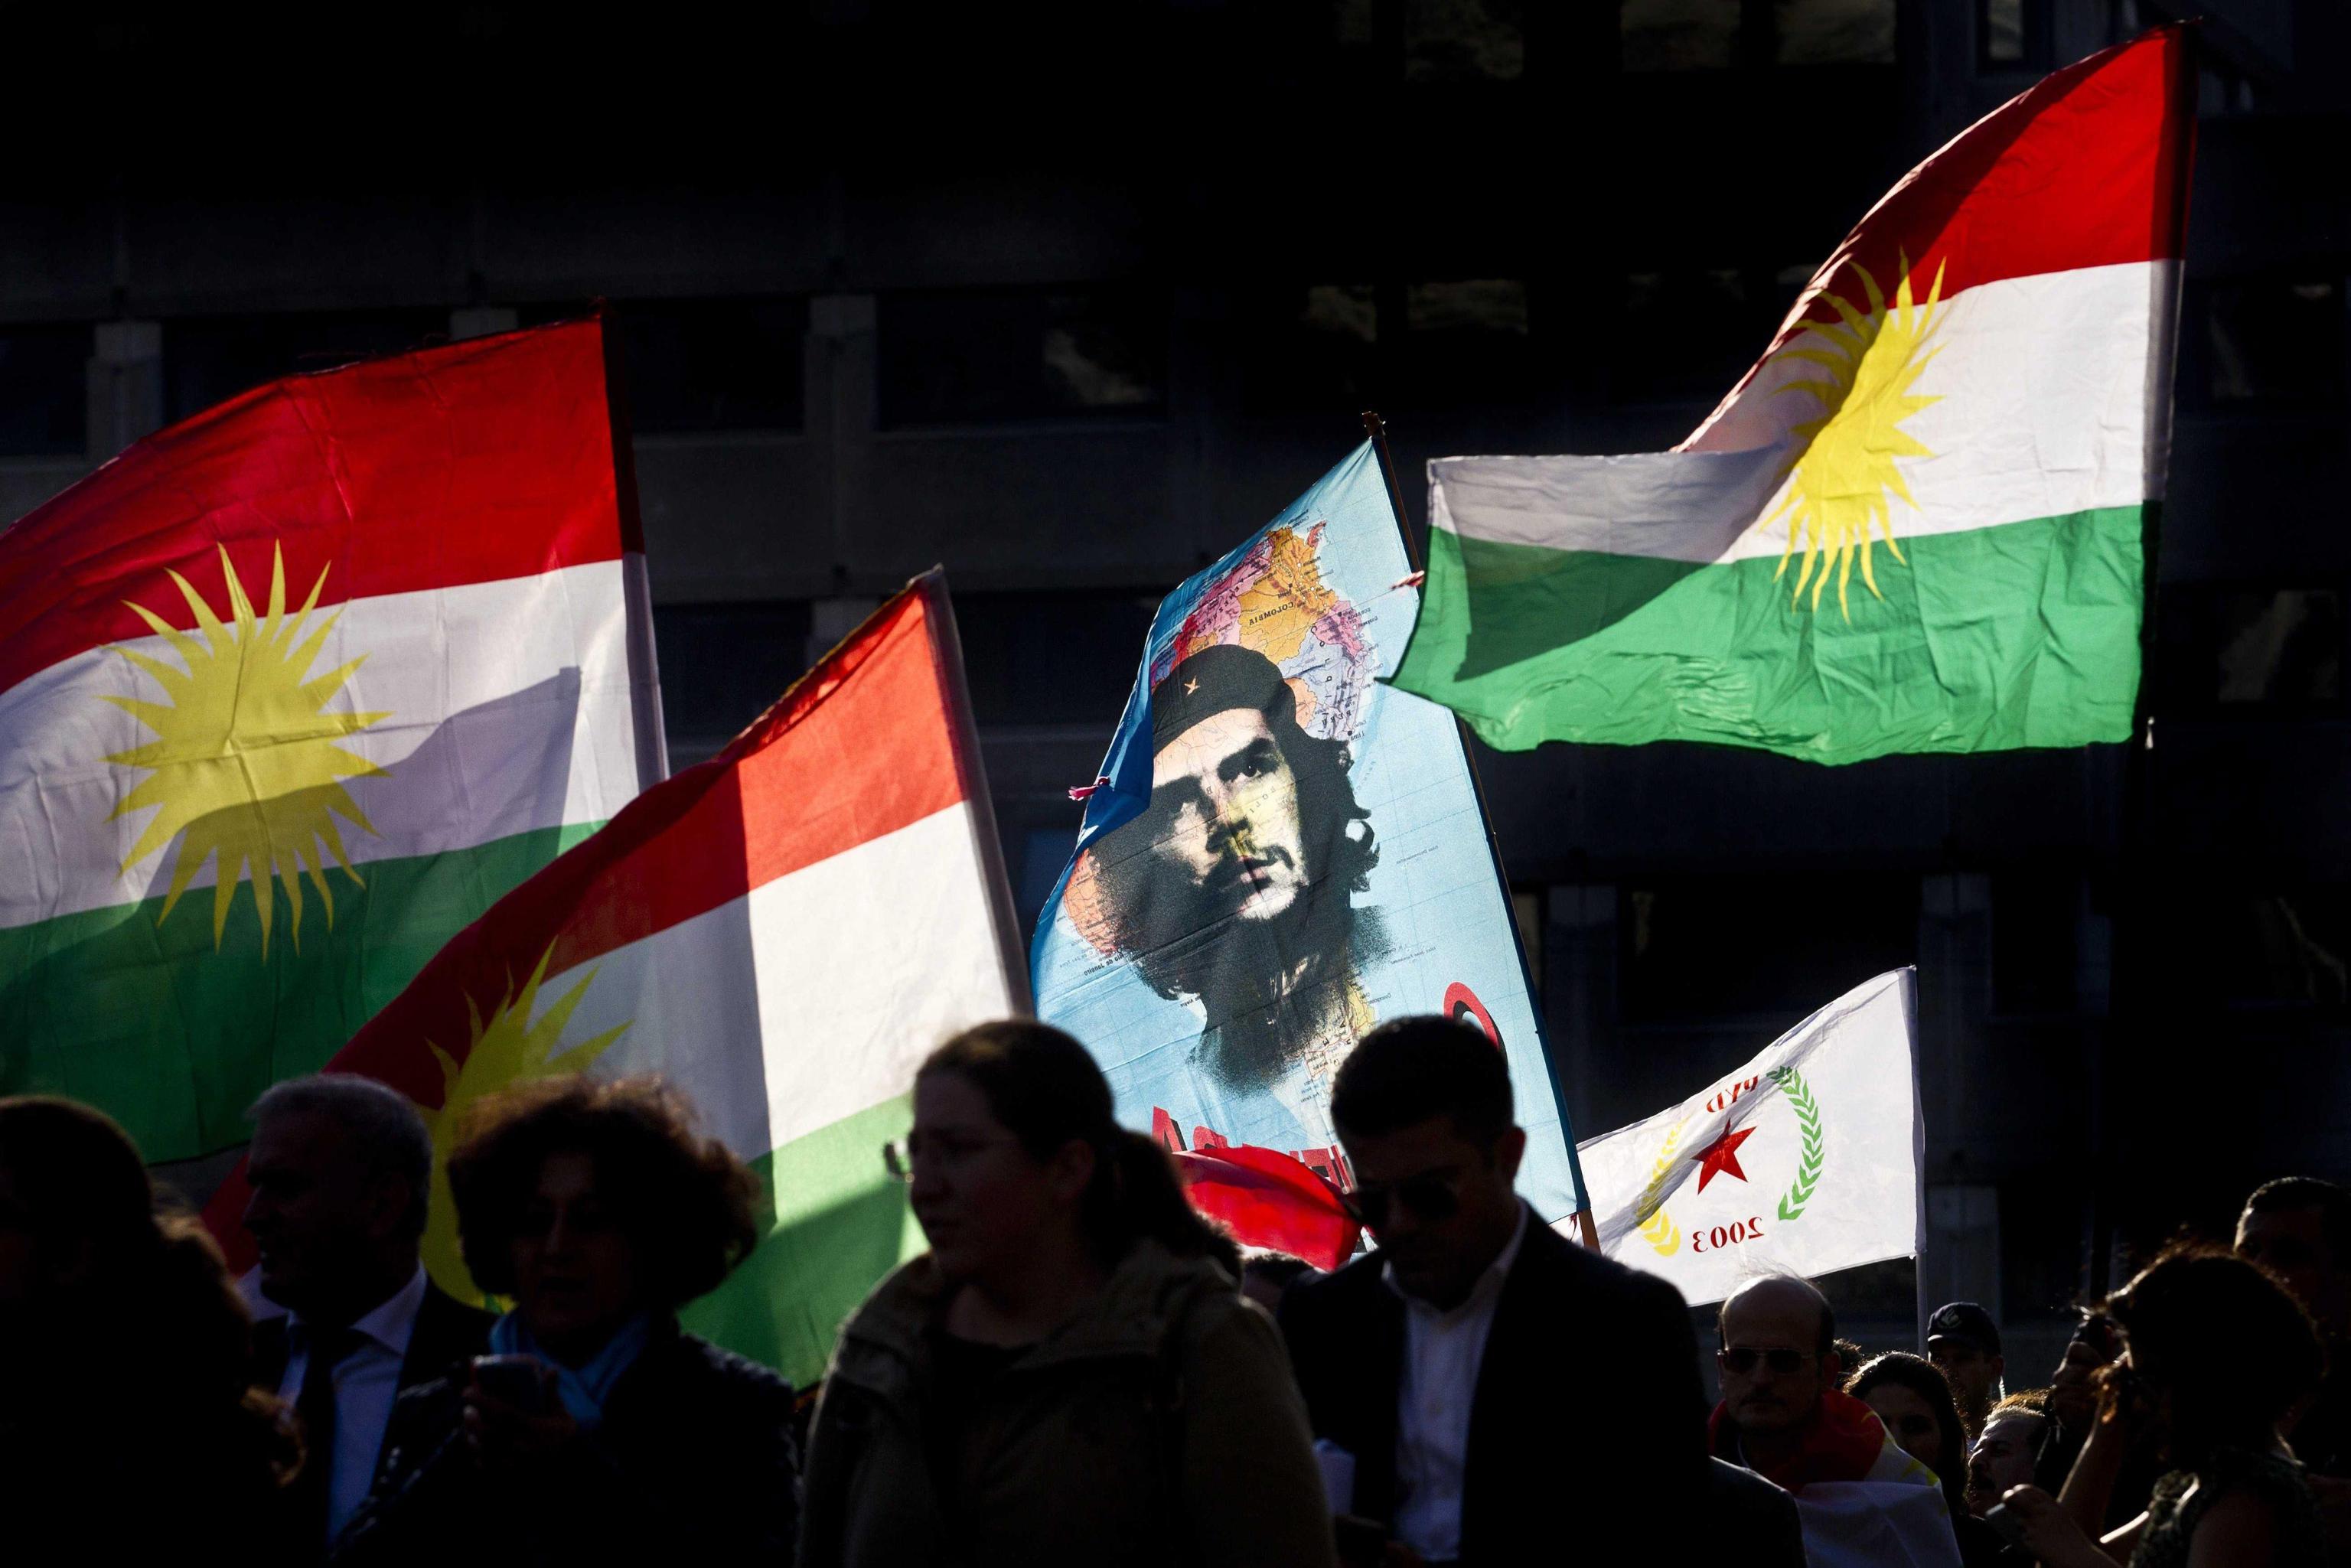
[1803, 1161]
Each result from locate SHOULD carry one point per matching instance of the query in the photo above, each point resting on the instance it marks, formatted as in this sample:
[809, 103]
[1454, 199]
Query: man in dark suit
[1496, 1385]
[342, 1170]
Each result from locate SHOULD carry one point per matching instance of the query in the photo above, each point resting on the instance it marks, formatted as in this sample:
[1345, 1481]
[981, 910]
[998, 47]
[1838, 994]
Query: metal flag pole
[1376, 430]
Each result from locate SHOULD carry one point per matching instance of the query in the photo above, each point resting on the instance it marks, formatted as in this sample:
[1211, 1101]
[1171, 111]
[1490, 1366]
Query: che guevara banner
[1282, 851]
[783, 932]
[1803, 1161]
[1916, 525]
[289, 692]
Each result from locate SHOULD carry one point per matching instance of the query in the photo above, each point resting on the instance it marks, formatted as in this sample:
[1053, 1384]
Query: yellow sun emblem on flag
[510, 1047]
[1844, 474]
[244, 763]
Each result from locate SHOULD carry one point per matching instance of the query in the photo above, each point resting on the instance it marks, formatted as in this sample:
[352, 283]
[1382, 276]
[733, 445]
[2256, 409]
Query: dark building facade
[1070, 303]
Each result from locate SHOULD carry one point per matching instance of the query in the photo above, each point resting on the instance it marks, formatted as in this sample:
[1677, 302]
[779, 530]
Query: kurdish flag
[783, 932]
[289, 692]
[1917, 524]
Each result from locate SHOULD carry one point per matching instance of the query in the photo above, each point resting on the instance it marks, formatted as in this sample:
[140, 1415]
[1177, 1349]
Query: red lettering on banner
[1724, 1099]
[1329, 1164]
[1165, 1132]
[1205, 1138]
[1737, 1233]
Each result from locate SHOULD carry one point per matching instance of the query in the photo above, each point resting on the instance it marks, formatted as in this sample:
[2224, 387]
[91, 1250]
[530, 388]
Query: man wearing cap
[1964, 1341]
[1234, 888]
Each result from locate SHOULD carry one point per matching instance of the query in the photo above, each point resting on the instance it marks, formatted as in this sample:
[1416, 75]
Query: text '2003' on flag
[1917, 524]
[289, 692]
[782, 932]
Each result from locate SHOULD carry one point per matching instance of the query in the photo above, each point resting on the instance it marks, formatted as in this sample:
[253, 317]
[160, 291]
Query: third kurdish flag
[1917, 524]
[783, 932]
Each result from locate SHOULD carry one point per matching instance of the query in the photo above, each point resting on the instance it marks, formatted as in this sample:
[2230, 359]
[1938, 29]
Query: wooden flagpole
[1376, 430]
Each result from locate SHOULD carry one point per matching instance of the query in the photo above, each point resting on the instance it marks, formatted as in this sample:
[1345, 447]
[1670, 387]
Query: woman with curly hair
[1912, 1398]
[598, 1430]
[2216, 1354]
[127, 1418]
[1067, 1376]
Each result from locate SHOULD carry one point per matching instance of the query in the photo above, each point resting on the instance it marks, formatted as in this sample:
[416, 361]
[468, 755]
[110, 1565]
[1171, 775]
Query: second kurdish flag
[783, 932]
[290, 692]
[1917, 524]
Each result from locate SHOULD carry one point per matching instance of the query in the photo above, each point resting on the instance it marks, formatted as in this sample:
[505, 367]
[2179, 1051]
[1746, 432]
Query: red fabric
[473, 463]
[861, 745]
[1267, 1199]
[1842, 1445]
[2087, 168]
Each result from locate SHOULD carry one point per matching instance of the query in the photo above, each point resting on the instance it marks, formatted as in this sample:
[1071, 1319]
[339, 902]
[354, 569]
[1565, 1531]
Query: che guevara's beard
[1268, 987]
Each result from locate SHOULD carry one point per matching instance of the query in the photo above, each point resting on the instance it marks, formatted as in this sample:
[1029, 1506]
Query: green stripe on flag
[2025, 634]
[174, 1038]
[841, 1224]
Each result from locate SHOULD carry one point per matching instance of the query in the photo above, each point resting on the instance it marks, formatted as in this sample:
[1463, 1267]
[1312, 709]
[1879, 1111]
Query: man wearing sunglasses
[1861, 1500]
[1491, 1380]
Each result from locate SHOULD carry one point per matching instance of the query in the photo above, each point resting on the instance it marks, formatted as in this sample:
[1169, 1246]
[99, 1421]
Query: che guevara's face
[1227, 802]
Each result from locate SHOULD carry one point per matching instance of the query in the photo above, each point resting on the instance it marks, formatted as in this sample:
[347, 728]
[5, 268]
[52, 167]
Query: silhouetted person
[128, 1430]
[1912, 1398]
[1267, 1277]
[2216, 1355]
[1861, 1498]
[2298, 1228]
[1066, 1376]
[340, 1168]
[1480, 1368]
[598, 1431]
[1964, 1341]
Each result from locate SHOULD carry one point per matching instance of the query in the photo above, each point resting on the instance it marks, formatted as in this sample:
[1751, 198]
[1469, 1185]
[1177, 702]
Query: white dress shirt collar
[393, 1322]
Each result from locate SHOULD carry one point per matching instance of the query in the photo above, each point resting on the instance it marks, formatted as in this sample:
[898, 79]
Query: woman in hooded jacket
[1066, 1375]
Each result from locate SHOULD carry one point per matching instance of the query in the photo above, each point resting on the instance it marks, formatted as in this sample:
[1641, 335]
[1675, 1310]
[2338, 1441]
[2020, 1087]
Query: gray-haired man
[340, 1168]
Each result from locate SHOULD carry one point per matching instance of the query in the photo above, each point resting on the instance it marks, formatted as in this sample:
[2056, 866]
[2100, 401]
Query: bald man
[1861, 1498]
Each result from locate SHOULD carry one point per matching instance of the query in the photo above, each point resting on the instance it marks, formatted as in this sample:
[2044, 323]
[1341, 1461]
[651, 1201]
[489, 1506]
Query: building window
[2256, 650]
[1689, 334]
[2288, 950]
[2274, 341]
[2012, 35]
[1464, 40]
[712, 365]
[722, 665]
[1051, 657]
[44, 390]
[208, 360]
[1679, 35]
[2035, 943]
[1833, 32]
[966, 356]
[1700, 949]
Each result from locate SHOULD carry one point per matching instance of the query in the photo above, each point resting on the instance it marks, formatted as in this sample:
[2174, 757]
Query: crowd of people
[1081, 1367]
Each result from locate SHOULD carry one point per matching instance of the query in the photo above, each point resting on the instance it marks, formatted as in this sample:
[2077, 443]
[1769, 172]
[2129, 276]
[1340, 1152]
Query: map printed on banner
[1283, 852]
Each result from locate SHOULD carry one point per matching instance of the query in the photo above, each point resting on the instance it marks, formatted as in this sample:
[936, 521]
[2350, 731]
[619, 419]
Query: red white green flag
[1917, 524]
[783, 932]
[289, 692]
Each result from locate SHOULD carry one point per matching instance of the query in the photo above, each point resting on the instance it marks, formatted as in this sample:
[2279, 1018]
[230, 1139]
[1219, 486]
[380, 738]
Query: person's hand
[2333, 1495]
[2072, 1388]
[2049, 1533]
[2124, 1398]
[502, 1435]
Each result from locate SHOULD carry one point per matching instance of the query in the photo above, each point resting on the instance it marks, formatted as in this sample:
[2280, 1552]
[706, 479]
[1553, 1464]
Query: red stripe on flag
[1267, 1199]
[2087, 168]
[860, 747]
[473, 463]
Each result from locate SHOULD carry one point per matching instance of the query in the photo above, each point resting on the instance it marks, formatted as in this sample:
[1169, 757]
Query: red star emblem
[1721, 1156]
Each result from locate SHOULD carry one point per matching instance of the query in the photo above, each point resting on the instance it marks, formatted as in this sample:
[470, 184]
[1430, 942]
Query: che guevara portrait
[1234, 890]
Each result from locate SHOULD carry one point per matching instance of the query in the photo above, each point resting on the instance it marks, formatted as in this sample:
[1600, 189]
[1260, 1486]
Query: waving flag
[288, 694]
[1917, 524]
[1283, 851]
[1803, 1161]
[783, 932]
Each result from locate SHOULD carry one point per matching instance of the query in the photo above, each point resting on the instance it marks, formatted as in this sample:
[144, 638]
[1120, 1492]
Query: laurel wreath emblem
[1657, 1228]
[1808, 1118]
